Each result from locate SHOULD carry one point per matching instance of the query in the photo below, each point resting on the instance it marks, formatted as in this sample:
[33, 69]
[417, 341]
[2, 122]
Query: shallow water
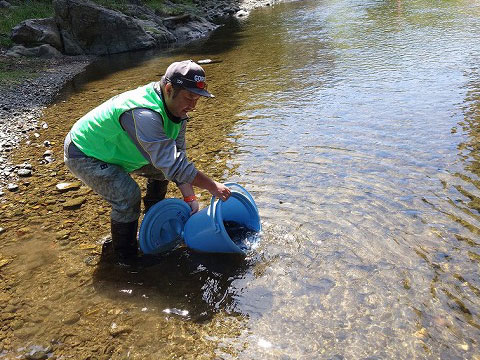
[355, 126]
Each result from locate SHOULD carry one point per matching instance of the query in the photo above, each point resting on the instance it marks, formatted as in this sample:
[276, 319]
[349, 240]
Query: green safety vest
[99, 134]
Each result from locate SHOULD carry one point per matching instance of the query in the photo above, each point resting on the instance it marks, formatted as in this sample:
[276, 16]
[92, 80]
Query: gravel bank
[21, 104]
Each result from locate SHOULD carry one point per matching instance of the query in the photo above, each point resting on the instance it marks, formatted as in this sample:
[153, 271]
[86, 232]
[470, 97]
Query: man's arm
[146, 129]
[217, 189]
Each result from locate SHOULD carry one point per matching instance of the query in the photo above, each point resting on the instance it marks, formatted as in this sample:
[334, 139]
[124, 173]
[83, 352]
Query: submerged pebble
[66, 186]
[37, 355]
[116, 330]
[12, 187]
[71, 319]
[24, 172]
[176, 311]
[73, 204]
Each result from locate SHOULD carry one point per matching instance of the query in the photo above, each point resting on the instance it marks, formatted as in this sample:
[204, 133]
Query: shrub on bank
[19, 11]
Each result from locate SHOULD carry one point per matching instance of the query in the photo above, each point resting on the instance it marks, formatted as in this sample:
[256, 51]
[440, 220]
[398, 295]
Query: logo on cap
[189, 75]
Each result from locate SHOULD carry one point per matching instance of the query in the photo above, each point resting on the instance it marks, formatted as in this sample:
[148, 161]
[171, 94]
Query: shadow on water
[227, 36]
[191, 285]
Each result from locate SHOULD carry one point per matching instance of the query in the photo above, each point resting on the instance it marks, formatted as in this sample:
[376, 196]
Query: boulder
[5, 4]
[37, 32]
[193, 28]
[161, 35]
[43, 51]
[151, 21]
[87, 28]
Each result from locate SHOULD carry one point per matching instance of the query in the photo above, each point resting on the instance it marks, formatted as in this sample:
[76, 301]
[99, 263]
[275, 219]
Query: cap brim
[201, 92]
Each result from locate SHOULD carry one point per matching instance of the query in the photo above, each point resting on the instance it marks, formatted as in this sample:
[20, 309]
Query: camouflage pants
[114, 184]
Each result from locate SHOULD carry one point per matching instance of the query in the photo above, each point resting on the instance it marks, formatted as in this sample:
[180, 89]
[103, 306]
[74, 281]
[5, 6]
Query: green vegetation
[14, 71]
[160, 6]
[119, 5]
[180, 6]
[21, 10]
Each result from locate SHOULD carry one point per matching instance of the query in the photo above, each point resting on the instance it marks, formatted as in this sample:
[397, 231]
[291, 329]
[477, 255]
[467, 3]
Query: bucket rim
[171, 207]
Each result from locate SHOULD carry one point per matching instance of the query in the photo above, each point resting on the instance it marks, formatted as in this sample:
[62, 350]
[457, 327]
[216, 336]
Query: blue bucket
[205, 231]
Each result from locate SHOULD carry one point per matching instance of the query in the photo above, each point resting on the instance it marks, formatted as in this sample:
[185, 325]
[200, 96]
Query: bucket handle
[218, 212]
[244, 192]
[214, 214]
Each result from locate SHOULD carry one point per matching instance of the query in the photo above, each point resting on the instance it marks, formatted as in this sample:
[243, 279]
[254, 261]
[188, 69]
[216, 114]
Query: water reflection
[227, 36]
[354, 124]
[470, 150]
[181, 283]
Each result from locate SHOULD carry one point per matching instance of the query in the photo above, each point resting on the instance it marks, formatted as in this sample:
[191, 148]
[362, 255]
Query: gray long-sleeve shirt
[145, 128]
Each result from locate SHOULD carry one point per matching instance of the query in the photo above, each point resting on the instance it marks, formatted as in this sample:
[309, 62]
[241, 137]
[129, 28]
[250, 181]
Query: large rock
[161, 35]
[37, 32]
[168, 29]
[150, 21]
[43, 51]
[87, 28]
[195, 28]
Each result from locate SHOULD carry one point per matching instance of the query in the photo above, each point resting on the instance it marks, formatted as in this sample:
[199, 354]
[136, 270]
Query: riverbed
[354, 125]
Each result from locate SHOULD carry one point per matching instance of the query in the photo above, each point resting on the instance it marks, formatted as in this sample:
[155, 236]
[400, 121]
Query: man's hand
[194, 206]
[189, 197]
[217, 189]
[220, 191]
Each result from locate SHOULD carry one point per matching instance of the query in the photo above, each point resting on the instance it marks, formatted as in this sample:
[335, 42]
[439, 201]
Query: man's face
[183, 102]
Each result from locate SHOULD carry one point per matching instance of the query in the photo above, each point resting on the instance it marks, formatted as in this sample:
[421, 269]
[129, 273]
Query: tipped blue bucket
[168, 221]
[205, 231]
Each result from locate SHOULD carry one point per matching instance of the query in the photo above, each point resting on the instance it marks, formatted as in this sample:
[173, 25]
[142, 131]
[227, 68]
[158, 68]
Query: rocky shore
[21, 107]
[21, 104]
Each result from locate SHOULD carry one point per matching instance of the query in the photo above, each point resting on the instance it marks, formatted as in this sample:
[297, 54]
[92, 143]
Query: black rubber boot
[124, 242]
[156, 191]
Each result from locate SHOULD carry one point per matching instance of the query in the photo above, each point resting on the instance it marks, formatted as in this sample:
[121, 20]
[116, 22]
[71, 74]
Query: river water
[355, 126]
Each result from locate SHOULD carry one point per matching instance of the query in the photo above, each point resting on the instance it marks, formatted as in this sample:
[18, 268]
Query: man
[141, 131]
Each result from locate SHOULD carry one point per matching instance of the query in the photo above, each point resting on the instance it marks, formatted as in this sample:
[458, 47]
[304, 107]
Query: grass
[14, 71]
[9, 17]
[180, 6]
[119, 5]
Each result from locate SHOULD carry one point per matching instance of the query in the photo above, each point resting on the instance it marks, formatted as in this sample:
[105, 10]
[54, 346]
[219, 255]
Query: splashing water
[245, 238]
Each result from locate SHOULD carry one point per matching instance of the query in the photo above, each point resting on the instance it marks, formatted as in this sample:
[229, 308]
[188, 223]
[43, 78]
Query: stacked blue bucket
[169, 222]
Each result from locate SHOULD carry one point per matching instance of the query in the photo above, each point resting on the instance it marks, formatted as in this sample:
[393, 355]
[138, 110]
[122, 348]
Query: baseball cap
[188, 75]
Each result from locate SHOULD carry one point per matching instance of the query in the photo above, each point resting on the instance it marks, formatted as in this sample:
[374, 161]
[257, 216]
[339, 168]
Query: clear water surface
[355, 126]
